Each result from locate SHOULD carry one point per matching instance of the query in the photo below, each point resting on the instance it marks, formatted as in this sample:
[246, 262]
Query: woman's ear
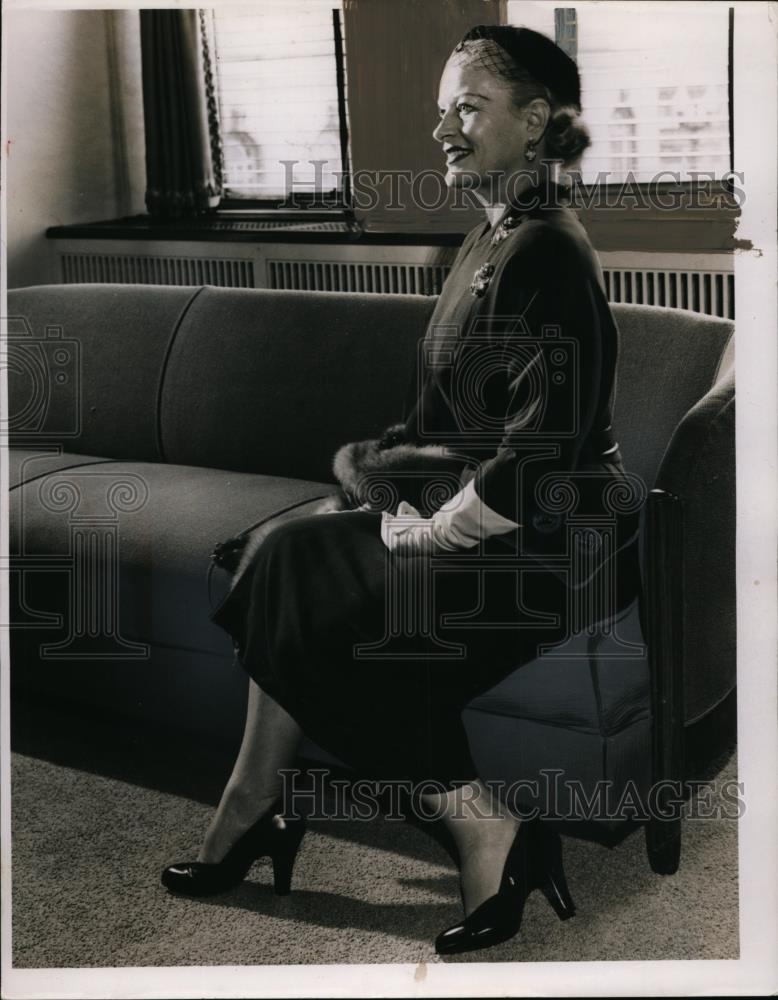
[536, 115]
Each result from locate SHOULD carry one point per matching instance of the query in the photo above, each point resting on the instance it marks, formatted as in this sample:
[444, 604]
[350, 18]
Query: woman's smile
[455, 153]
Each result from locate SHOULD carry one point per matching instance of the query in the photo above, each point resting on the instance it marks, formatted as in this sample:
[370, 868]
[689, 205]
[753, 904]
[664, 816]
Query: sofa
[149, 423]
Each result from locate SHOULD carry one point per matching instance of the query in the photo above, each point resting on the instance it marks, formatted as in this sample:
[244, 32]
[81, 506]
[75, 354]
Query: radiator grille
[346, 276]
[705, 289]
[711, 292]
[126, 269]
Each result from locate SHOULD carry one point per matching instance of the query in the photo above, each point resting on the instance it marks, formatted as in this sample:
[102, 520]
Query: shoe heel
[554, 883]
[559, 898]
[282, 875]
[283, 862]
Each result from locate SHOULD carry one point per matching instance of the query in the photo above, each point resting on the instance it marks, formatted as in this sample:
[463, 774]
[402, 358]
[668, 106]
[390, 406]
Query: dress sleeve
[543, 355]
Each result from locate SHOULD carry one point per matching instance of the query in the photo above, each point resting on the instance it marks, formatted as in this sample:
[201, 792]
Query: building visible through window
[654, 84]
[278, 97]
[654, 77]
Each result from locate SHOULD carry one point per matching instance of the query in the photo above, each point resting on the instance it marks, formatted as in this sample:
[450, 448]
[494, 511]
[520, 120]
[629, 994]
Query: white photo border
[756, 971]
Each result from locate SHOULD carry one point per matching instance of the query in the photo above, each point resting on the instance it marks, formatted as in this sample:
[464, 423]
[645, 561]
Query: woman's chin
[462, 178]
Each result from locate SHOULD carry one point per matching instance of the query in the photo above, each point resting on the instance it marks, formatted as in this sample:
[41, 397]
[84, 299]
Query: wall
[74, 128]
[395, 53]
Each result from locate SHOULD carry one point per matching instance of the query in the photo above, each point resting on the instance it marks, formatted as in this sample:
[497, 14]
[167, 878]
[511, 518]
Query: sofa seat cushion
[571, 727]
[597, 684]
[563, 773]
[27, 464]
[163, 522]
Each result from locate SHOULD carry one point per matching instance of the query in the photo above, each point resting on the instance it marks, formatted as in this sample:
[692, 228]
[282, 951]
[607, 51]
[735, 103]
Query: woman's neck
[495, 212]
[495, 208]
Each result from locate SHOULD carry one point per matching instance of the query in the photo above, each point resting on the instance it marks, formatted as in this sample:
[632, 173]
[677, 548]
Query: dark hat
[538, 55]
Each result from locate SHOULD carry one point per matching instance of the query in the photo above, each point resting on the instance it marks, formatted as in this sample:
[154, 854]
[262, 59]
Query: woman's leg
[270, 742]
[292, 584]
[483, 831]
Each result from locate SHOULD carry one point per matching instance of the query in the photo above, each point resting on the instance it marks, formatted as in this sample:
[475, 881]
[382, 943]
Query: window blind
[278, 96]
[654, 87]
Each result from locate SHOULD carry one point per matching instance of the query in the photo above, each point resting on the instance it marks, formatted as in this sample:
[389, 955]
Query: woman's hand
[460, 524]
[407, 533]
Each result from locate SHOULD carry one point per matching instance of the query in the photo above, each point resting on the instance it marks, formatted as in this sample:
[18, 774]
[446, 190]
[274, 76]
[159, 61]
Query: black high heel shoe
[534, 862]
[547, 871]
[263, 839]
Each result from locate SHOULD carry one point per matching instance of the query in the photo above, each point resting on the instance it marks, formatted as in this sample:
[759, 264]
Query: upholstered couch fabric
[203, 412]
[693, 469]
[668, 360]
[171, 521]
[304, 375]
[595, 688]
[117, 342]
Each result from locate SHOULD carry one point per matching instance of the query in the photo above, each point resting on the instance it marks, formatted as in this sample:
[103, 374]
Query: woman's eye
[465, 108]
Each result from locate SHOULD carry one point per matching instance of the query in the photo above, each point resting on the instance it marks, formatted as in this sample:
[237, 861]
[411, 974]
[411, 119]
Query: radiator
[702, 283]
[344, 276]
[698, 282]
[128, 269]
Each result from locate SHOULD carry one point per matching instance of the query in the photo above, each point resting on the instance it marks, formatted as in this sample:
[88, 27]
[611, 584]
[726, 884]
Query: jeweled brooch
[504, 230]
[481, 280]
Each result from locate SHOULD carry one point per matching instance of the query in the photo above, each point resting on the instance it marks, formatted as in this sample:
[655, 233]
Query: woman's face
[480, 128]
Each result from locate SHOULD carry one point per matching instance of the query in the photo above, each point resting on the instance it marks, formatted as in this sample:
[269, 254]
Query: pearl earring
[529, 151]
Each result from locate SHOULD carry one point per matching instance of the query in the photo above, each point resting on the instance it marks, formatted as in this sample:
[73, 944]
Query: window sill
[683, 229]
[250, 227]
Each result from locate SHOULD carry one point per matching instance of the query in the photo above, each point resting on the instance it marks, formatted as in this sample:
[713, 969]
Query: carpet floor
[88, 849]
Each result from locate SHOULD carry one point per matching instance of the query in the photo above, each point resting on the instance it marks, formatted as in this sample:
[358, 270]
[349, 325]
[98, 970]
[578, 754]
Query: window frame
[725, 186]
[334, 204]
[316, 206]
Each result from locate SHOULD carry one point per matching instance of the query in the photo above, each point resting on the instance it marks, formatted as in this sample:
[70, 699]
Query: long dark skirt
[368, 651]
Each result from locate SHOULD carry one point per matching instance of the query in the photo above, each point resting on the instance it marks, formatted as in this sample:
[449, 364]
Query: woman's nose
[444, 128]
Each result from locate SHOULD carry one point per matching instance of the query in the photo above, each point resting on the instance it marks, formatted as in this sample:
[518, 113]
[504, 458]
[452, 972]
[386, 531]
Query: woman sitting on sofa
[513, 401]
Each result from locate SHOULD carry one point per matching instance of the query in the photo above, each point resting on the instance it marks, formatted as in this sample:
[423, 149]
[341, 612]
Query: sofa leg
[663, 845]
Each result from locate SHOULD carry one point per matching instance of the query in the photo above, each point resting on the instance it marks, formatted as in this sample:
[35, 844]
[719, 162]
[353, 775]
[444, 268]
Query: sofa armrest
[699, 467]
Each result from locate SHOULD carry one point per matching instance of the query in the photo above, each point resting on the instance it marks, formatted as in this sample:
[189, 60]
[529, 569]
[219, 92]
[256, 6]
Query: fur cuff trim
[423, 475]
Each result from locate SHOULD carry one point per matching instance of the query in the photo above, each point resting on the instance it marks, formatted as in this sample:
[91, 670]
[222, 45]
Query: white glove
[460, 524]
[407, 533]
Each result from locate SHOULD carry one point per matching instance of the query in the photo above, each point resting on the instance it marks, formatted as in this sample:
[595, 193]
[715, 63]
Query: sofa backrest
[275, 382]
[245, 380]
[85, 365]
[668, 360]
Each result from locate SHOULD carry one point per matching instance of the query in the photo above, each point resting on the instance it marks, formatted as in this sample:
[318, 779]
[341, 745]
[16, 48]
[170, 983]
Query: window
[277, 79]
[655, 85]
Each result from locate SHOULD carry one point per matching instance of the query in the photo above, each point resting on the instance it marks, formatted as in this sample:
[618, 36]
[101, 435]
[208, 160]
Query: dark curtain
[183, 147]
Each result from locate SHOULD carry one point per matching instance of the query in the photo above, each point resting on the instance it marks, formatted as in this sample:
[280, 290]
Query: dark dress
[362, 647]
